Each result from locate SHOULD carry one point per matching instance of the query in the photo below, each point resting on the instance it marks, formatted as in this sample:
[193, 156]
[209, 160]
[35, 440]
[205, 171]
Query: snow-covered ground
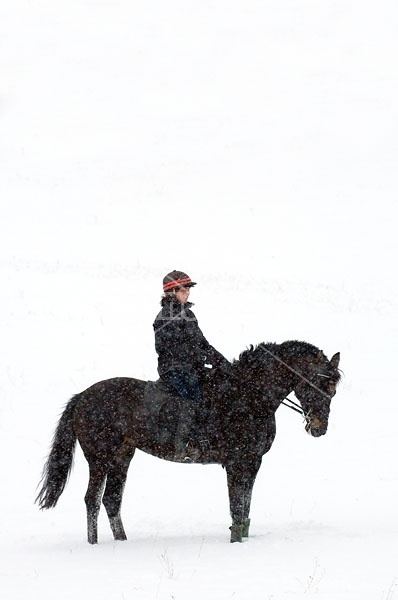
[252, 144]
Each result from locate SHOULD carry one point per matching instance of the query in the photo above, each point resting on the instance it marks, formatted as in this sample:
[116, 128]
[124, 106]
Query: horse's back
[116, 385]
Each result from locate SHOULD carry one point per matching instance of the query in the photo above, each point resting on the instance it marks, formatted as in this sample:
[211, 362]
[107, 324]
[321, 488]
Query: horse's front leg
[252, 473]
[240, 479]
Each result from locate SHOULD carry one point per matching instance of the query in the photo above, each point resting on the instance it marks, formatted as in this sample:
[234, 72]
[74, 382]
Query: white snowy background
[254, 145]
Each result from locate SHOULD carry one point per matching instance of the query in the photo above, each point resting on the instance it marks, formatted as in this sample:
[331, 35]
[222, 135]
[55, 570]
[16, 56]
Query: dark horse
[113, 417]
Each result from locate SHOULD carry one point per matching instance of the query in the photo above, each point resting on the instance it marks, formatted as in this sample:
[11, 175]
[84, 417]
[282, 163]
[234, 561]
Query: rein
[288, 401]
[294, 406]
[297, 408]
[297, 373]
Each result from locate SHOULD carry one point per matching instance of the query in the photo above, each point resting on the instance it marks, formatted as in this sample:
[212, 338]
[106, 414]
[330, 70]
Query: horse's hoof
[236, 533]
[117, 528]
[92, 541]
[245, 528]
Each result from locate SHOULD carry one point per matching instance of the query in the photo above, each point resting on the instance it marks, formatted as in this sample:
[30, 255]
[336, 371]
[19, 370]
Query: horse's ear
[334, 361]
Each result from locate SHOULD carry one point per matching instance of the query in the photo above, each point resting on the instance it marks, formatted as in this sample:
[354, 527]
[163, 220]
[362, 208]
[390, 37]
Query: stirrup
[186, 453]
[193, 453]
[204, 446]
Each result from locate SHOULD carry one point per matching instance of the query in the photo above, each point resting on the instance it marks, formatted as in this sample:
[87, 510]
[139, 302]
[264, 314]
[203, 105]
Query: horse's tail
[60, 460]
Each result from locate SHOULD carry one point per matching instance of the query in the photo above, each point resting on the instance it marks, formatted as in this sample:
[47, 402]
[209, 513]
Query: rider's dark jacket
[179, 340]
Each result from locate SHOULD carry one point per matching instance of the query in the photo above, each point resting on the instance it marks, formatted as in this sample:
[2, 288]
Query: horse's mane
[264, 353]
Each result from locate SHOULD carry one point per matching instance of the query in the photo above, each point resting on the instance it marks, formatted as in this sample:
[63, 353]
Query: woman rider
[182, 350]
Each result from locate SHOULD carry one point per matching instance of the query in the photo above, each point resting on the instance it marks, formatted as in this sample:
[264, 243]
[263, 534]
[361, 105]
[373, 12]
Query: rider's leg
[185, 381]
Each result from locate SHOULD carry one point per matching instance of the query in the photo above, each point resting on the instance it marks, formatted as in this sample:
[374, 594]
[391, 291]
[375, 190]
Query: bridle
[288, 401]
[298, 373]
[297, 407]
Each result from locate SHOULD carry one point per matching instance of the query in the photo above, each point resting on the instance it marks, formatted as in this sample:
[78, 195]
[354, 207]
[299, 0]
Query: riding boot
[183, 451]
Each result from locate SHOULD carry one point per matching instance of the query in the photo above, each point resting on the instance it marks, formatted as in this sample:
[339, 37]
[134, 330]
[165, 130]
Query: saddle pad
[156, 394]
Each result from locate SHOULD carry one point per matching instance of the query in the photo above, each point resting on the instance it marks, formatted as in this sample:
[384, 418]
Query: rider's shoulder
[169, 310]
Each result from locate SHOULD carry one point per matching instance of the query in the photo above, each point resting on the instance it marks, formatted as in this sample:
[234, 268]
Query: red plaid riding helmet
[176, 279]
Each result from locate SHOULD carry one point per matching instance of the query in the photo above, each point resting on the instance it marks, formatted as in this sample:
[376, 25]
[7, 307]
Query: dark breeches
[186, 382]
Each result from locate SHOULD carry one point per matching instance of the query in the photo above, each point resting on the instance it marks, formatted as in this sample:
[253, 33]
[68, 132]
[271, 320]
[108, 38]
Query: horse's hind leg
[93, 500]
[115, 482]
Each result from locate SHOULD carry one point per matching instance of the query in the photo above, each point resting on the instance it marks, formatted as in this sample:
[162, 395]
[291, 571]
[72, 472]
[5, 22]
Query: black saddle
[163, 408]
[156, 394]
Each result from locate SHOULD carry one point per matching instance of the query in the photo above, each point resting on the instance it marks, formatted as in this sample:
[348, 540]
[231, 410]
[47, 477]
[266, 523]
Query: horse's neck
[295, 367]
[280, 379]
[292, 370]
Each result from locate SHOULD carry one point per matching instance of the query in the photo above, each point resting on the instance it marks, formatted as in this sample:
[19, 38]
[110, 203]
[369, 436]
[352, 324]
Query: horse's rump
[108, 412]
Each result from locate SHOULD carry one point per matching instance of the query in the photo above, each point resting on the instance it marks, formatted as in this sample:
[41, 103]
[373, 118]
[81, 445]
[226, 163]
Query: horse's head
[316, 391]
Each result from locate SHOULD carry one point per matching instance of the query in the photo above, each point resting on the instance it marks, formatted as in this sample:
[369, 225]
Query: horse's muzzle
[315, 427]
